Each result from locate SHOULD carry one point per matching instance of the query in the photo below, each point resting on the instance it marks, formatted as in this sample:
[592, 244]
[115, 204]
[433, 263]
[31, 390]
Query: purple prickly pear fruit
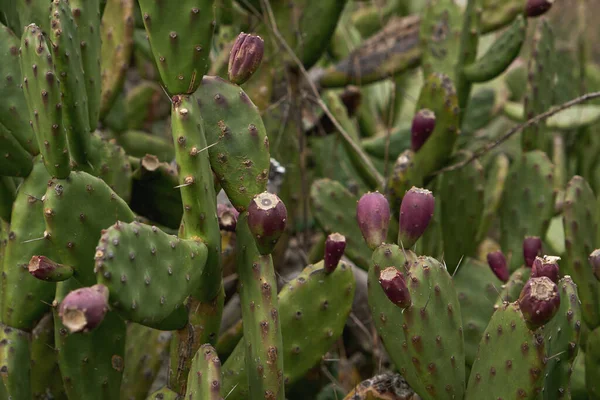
[45, 269]
[373, 216]
[532, 247]
[416, 211]
[227, 217]
[594, 260]
[394, 286]
[539, 301]
[245, 57]
[535, 8]
[267, 217]
[546, 266]
[83, 309]
[334, 250]
[498, 265]
[423, 124]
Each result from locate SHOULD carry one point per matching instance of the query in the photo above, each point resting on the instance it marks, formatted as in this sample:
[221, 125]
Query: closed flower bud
[245, 57]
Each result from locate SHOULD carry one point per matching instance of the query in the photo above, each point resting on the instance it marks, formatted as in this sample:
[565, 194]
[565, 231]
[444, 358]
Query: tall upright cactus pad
[45, 373]
[313, 308]
[42, 92]
[91, 363]
[477, 288]
[7, 197]
[116, 32]
[87, 18]
[527, 203]
[25, 299]
[462, 199]
[148, 272]
[260, 313]
[66, 53]
[492, 194]
[580, 220]
[514, 372]
[15, 367]
[592, 364]
[329, 199]
[438, 95]
[14, 159]
[562, 342]
[76, 210]
[539, 95]
[240, 157]
[204, 381]
[180, 36]
[13, 107]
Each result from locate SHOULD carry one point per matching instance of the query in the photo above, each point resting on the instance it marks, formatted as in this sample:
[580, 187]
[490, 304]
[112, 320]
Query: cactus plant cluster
[217, 199]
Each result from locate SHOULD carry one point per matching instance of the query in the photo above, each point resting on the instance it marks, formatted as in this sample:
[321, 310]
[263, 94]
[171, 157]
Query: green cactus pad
[7, 197]
[145, 103]
[14, 160]
[313, 309]
[139, 144]
[34, 12]
[204, 381]
[512, 289]
[148, 272]
[240, 158]
[492, 194]
[510, 360]
[145, 349]
[45, 373]
[580, 218]
[498, 14]
[500, 54]
[402, 177]
[539, 95]
[13, 107]
[440, 37]
[438, 95]
[461, 199]
[180, 36]
[91, 363]
[164, 394]
[25, 299]
[42, 92]
[527, 203]
[562, 340]
[76, 210]
[334, 209]
[87, 18]
[109, 162]
[15, 367]
[477, 289]
[66, 53]
[592, 364]
[116, 32]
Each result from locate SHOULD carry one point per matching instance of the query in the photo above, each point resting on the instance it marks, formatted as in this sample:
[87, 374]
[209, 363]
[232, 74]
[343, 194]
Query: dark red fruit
[373, 216]
[539, 301]
[335, 244]
[498, 265]
[394, 286]
[43, 268]
[532, 247]
[416, 212]
[423, 125]
[546, 266]
[535, 8]
[245, 57]
[83, 309]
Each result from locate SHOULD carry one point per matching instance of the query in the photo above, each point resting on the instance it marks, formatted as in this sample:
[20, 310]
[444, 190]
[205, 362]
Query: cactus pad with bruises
[204, 380]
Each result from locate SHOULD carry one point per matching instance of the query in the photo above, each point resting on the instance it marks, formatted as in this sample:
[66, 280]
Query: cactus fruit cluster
[285, 200]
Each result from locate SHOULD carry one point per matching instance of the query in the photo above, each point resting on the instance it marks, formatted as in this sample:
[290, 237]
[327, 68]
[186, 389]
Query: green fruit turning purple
[84, 309]
[373, 216]
[245, 57]
[45, 269]
[335, 244]
[423, 124]
[416, 211]
[498, 265]
[394, 286]
[539, 301]
[267, 217]
[546, 266]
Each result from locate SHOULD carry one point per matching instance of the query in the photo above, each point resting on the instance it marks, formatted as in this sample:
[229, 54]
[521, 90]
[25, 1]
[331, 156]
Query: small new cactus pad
[148, 272]
[515, 372]
[313, 309]
[180, 36]
[539, 301]
[532, 248]
[245, 57]
[82, 310]
[46, 269]
[528, 206]
[546, 266]
[498, 265]
[335, 244]
[239, 152]
[14, 159]
[423, 124]
[373, 217]
[45, 373]
[42, 92]
[415, 213]
[267, 217]
[204, 381]
[15, 362]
